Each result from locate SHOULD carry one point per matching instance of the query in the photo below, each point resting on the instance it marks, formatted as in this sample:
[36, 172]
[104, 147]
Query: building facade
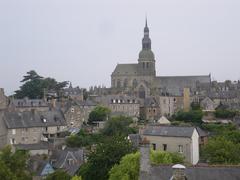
[141, 77]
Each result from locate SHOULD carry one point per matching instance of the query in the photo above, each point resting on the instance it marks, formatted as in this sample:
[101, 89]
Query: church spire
[146, 41]
[146, 22]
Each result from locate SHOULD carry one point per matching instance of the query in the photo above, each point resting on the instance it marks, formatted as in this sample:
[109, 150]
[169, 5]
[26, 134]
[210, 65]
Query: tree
[13, 165]
[104, 157]
[31, 75]
[219, 150]
[76, 178]
[193, 116]
[59, 174]
[163, 157]
[83, 139]
[34, 86]
[118, 125]
[128, 168]
[99, 113]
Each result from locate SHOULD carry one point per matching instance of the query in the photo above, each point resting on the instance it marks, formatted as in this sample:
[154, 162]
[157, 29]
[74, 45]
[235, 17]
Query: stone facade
[150, 110]
[77, 112]
[141, 77]
[121, 105]
[3, 99]
[30, 127]
[184, 140]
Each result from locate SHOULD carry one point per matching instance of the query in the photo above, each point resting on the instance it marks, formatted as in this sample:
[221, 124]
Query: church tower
[146, 60]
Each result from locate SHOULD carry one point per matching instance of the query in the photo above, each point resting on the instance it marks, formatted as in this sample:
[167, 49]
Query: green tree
[99, 113]
[128, 168]
[83, 139]
[76, 178]
[219, 150]
[193, 116]
[118, 125]
[104, 157]
[34, 86]
[59, 174]
[163, 157]
[14, 165]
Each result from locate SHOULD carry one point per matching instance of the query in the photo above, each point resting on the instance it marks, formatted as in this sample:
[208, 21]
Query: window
[164, 147]
[72, 109]
[154, 146]
[13, 131]
[12, 141]
[180, 148]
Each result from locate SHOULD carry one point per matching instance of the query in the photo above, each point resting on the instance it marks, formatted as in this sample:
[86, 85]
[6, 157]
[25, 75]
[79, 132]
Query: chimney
[145, 160]
[179, 172]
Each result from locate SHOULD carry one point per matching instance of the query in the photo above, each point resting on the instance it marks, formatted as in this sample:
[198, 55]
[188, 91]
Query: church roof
[126, 69]
[175, 84]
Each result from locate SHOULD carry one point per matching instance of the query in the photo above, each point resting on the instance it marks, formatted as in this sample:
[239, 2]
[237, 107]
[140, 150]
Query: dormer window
[70, 161]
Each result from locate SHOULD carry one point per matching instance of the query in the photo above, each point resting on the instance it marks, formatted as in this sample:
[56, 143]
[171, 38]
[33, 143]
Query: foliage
[34, 86]
[83, 139]
[13, 165]
[118, 125]
[193, 116]
[219, 150]
[76, 178]
[218, 129]
[99, 113]
[104, 157]
[195, 106]
[59, 174]
[225, 113]
[163, 157]
[127, 169]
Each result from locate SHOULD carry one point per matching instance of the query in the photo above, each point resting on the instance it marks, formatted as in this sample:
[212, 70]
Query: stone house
[184, 140]
[121, 104]
[3, 99]
[77, 112]
[68, 160]
[27, 104]
[180, 172]
[208, 105]
[170, 104]
[150, 110]
[30, 127]
[74, 93]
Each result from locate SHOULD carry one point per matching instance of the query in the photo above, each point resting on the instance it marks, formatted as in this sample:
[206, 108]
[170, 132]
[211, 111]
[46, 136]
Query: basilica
[141, 77]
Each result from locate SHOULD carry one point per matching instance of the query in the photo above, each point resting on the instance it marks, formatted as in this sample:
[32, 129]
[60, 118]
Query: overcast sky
[83, 40]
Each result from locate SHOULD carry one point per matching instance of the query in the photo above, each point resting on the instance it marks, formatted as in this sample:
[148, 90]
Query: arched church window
[118, 83]
[134, 83]
[143, 65]
[142, 93]
[113, 83]
[147, 64]
[125, 84]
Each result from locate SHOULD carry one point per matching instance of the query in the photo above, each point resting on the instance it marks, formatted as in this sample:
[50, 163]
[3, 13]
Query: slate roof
[169, 131]
[27, 119]
[197, 173]
[201, 132]
[28, 103]
[60, 159]
[38, 146]
[175, 84]
[126, 69]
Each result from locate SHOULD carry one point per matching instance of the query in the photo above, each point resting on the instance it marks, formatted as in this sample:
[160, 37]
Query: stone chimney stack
[179, 172]
[145, 160]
